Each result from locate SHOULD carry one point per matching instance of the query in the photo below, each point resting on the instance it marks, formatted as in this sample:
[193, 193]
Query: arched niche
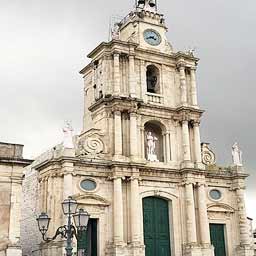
[154, 150]
[153, 79]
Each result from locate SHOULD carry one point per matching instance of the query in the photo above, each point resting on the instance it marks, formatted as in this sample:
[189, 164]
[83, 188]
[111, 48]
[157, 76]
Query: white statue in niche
[68, 135]
[151, 147]
[237, 155]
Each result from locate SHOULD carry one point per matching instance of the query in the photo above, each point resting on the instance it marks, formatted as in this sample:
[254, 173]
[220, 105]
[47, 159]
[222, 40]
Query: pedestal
[13, 251]
[245, 250]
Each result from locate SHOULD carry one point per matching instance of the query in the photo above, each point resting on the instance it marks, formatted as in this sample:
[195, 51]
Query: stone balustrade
[155, 98]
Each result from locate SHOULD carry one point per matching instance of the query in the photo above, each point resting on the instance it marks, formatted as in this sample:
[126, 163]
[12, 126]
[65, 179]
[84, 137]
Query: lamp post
[81, 218]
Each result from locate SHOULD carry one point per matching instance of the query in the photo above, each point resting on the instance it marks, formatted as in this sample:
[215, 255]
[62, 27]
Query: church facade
[138, 167]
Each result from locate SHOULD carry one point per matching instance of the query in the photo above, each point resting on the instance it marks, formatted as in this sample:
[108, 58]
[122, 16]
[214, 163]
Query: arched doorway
[156, 226]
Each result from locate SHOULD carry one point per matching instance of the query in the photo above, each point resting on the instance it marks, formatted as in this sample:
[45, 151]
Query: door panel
[87, 240]
[156, 226]
[217, 232]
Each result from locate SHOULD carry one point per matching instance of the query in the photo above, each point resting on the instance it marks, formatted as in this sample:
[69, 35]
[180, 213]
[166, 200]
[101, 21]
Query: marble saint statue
[68, 135]
[237, 155]
[116, 32]
[151, 147]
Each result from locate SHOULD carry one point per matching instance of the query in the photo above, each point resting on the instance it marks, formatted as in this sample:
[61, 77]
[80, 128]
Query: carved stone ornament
[91, 145]
[208, 157]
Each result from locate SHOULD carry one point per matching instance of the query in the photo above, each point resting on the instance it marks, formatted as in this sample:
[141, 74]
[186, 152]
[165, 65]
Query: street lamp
[81, 218]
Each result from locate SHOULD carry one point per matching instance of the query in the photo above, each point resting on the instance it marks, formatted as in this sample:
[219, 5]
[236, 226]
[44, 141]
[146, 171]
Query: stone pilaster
[243, 225]
[117, 80]
[186, 142]
[134, 207]
[190, 214]
[193, 87]
[183, 85]
[117, 135]
[203, 217]
[133, 136]
[118, 212]
[167, 146]
[142, 142]
[197, 145]
[132, 82]
[143, 80]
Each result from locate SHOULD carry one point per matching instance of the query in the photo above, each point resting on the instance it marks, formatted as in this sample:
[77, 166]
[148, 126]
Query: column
[118, 211]
[135, 214]
[183, 85]
[118, 133]
[67, 185]
[243, 225]
[133, 135]
[186, 142]
[197, 142]
[143, 80]
[167, 145]
[193, 86]
[117, 89]
[142, 142]
[190, 213]
[203, 217]
[132, 81]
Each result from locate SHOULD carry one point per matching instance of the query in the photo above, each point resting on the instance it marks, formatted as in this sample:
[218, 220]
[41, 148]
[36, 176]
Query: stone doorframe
[174, 217]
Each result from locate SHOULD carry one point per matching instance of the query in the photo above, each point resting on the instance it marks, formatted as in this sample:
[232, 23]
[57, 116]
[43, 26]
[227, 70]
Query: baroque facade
[11, 175]
[138, 167]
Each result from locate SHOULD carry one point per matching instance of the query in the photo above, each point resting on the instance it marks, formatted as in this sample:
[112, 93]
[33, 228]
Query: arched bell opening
[153, 142]
[153, 79]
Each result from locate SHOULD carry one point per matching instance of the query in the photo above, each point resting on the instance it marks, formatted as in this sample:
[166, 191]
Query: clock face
[152, 37]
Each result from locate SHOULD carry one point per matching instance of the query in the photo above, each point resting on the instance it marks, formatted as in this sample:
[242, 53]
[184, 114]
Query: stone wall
[9, 150]
[11, 174]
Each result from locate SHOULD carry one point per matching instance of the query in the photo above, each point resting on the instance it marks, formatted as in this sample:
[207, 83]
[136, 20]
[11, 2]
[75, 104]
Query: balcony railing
[155, 98]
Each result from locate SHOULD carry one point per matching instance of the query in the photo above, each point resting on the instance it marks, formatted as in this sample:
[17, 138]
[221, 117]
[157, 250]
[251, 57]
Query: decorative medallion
[208, 157]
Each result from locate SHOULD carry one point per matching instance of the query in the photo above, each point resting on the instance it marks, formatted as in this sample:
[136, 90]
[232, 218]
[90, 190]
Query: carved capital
[193, 68]
[116, 54]
[181, 64]
[195, 123]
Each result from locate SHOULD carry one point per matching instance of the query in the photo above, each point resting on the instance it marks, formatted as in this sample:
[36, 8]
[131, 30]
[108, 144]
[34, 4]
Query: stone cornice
[128, 103]
[15, 161]
[125, 47]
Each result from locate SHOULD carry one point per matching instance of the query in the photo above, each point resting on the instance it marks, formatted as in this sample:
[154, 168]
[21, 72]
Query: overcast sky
[43, 45]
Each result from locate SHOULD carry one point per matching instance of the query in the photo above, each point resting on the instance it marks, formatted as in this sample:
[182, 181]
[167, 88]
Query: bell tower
[136, 87]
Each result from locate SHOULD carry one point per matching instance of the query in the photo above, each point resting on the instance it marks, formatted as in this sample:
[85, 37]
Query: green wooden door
[87, 240]
[156, 226]
[217, 232]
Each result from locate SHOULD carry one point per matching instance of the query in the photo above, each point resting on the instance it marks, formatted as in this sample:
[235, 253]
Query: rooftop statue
[237, 155]
[68, 135]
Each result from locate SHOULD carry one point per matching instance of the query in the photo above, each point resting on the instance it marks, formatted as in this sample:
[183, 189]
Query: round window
[88, 185]
[215, 194]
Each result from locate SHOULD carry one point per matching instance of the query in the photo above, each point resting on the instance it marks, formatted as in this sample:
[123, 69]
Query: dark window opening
[152, 79]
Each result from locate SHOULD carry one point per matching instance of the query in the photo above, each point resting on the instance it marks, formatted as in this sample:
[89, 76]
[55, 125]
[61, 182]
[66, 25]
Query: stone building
[11, 175]
[138, 167]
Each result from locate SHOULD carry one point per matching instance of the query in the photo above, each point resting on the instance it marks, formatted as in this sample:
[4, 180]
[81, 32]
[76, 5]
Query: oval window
[215, 194]
[88, 185]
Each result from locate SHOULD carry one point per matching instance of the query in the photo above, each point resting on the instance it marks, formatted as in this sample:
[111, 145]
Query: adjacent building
[138, 167]
[11, 175]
